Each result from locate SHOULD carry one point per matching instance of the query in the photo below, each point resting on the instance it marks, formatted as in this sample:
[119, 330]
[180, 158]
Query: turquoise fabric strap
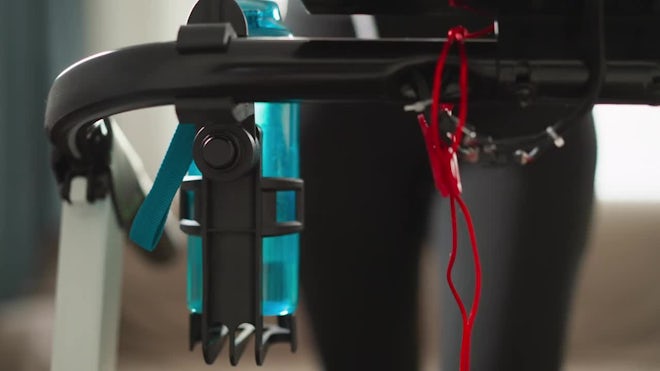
[150, 220]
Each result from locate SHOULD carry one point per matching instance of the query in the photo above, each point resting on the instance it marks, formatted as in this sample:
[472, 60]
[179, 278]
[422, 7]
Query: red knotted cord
[444, 165]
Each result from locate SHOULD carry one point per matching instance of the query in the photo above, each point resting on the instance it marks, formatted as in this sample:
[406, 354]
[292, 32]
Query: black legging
[368, 194]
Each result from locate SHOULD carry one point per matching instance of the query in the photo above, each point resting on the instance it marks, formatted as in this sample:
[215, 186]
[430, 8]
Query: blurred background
[616, 317]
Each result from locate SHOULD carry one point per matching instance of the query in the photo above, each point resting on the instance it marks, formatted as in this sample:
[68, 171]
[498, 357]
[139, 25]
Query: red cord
[467, 330]
[452, 260]
[444, 165]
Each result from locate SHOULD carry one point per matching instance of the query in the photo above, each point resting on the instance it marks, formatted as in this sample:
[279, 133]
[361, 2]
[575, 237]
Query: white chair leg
[88, 285]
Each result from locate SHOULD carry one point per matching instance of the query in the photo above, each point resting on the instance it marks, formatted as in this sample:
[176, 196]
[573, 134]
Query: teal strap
[150, 220]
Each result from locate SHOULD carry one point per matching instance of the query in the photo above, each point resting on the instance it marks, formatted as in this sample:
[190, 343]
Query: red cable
[467, 331]
[444, 165]
[437, 81]
[481, 33]
[452, 260]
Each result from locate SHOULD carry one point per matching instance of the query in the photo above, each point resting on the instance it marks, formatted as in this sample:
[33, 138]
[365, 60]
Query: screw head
[219, 152]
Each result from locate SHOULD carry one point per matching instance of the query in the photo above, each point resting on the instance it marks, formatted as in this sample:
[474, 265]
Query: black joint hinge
[199, 38]
[94, 143]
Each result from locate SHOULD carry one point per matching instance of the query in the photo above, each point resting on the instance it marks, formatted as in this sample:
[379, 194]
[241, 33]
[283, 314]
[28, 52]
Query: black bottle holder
[234, 208]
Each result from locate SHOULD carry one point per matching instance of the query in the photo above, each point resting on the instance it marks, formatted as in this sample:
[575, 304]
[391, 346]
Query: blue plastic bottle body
[280, 127]
[195, 254]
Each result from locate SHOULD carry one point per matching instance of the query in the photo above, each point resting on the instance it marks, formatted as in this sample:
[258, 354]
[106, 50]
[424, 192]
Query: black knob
[219, 152]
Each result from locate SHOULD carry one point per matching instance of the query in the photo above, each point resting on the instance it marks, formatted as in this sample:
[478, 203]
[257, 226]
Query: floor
[615, 325]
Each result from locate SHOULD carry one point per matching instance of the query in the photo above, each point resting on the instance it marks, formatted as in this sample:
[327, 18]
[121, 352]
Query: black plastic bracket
[234, 208]
[94, 141]
[269, 189]
[219, 11]
[198, 38]
[212, 24]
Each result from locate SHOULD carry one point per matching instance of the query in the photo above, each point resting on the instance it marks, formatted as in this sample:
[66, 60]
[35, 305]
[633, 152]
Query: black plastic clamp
[234, 208]
[94, 141]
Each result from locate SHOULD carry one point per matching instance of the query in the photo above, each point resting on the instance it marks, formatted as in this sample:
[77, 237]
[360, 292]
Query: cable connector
[419, 106]
[526, 157]
[556, 138]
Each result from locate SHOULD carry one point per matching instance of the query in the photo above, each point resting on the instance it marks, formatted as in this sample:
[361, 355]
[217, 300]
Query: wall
[119, 23]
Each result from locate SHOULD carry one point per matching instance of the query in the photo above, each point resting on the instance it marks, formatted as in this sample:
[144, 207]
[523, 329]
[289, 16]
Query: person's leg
[366, 205]
[532, 224]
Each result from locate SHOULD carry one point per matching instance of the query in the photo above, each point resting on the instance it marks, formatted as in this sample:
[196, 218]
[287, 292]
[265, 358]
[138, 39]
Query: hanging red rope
[444, 166]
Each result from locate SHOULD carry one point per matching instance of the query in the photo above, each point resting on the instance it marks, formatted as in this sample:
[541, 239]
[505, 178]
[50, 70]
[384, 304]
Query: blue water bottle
[195, 289]
[280, 127]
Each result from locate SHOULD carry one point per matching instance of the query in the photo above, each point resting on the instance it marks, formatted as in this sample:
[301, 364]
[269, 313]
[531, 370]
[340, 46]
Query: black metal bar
[304, 69]
[532, 9]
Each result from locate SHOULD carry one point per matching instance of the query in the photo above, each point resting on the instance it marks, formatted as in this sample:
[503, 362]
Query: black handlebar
[249, 70]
